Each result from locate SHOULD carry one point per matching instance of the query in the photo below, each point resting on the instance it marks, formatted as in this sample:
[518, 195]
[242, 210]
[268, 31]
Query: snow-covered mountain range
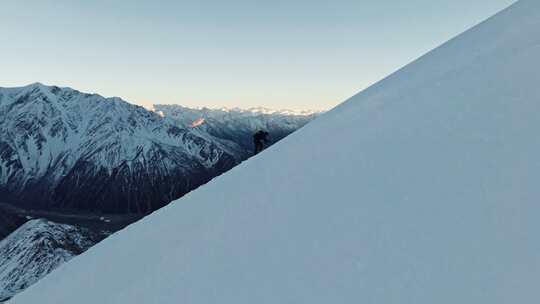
[421, 189]
[65, 149]
[35, 249]
[235, 127]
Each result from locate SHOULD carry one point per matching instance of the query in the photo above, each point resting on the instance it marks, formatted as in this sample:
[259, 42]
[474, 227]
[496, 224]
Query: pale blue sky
[279, 54]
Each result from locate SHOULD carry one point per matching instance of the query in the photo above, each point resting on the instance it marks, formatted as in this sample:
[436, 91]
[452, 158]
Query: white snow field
[425, 188]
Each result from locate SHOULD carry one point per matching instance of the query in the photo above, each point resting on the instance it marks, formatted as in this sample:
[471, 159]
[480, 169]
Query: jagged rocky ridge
[35, 249]
[61, 148]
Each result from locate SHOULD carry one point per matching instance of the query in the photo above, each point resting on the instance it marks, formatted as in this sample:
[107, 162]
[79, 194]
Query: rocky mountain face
[35, 249]
[9, 221]
[64, 149]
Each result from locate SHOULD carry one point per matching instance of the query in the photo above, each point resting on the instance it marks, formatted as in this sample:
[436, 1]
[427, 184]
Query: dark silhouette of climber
[259, 139]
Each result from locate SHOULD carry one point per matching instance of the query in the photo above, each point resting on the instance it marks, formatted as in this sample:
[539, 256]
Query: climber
[259, 139]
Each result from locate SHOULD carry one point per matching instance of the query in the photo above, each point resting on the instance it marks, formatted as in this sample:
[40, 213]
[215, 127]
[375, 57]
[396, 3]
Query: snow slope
[35, 249]
[421, 189]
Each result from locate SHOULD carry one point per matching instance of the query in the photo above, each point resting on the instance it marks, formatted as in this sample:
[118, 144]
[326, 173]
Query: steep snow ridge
[422, 189]
[35, 249]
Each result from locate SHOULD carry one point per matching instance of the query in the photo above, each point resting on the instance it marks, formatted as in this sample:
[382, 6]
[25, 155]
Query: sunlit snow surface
[421, 189]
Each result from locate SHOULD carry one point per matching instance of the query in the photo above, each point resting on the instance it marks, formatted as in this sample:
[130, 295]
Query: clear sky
[295, 54]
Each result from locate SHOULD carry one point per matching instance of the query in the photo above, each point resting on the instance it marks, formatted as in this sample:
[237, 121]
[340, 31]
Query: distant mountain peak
[36, 85]
[254, 110]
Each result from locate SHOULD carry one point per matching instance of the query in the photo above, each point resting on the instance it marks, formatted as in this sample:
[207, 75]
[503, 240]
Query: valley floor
[99, 223]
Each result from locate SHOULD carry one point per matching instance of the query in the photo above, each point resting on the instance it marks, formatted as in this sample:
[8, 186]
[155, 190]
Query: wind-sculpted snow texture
[66, 149]
[422, 189]
[35, 249]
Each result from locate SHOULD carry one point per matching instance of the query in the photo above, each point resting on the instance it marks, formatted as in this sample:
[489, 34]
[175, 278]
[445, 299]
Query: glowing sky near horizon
[278, 54]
